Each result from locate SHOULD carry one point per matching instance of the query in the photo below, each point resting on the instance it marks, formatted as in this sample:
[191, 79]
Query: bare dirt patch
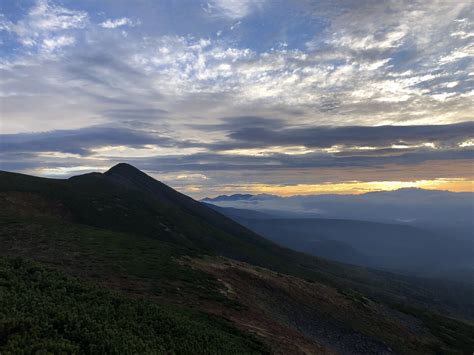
[307, 316]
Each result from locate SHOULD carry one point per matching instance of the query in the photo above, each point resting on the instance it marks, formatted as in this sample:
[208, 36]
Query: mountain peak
[123, 169]
[129, 175]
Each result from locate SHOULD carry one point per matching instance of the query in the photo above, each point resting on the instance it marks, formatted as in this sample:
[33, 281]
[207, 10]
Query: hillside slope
[128, 232]
[41, 309]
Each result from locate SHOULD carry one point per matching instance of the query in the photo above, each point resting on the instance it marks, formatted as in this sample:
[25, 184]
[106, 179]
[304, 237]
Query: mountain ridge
[429, 209]
[124, 228]
[238, 196]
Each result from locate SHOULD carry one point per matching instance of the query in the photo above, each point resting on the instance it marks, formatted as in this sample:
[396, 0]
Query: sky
[226, 96]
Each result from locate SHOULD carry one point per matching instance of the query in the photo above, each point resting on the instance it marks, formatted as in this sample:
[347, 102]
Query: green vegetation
[44, 310]
[128, 232]
[128, 201]
[134, 263]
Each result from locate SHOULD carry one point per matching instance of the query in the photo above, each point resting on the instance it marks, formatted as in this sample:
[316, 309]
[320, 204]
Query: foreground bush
[45, 311]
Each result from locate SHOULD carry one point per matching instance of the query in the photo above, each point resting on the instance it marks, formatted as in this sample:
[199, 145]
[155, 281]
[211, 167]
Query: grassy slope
[132, 262]
[141, 205]
[162, 232]
[44, 310]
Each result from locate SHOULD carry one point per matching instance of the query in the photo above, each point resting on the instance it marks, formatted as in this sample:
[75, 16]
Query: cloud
[302, 85]
[46, 16]
[51, 44]
[136, 114]
[357, 76]
[43, 21]
[234, 123]
[119, 22]
[233, 9]
[82, 141]
[383, 41]
[259, 132]
[87, 142]
[458, 54]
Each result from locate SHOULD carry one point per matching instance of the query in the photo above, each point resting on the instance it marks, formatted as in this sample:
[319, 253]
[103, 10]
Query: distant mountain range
[440, 211]
[120, 262]
[397, 247]
[239, 197]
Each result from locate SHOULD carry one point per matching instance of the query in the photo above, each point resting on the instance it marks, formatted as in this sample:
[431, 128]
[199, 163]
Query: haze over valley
[237, 177]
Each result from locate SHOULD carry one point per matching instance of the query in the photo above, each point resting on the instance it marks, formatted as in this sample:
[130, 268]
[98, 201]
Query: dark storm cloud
[80, 141]
[216, 162]
[260, 133]
[11, 161]
[271, 134]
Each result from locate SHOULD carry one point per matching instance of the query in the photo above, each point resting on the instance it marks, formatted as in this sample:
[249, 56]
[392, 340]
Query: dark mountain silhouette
[239, 197]
[151, 245]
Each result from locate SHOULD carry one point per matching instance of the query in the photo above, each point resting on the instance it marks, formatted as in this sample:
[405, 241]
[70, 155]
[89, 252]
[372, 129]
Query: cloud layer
[237, 86]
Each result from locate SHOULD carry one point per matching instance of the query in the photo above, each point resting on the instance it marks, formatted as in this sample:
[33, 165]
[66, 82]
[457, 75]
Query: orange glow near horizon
[188, 183]
[351, 187]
